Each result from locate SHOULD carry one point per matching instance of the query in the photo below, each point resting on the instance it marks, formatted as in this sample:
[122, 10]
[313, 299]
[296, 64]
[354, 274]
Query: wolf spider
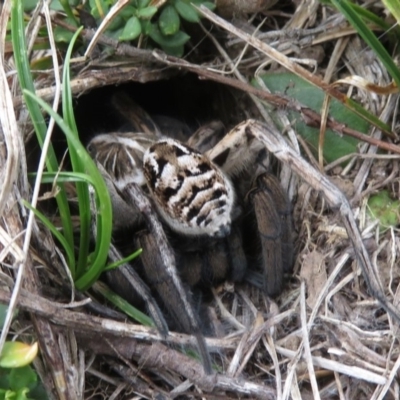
[220, 211]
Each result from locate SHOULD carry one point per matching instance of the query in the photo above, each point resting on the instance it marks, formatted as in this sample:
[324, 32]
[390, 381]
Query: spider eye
[192, 194]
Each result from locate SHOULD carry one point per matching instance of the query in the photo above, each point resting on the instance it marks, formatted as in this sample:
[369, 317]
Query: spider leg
[269, 233]
[268, 182]
[236, 150]
[207, 136]
[161, 263]
[138, 118]
[120, 157]
[234, 153]
[125, 274]
[171, 297]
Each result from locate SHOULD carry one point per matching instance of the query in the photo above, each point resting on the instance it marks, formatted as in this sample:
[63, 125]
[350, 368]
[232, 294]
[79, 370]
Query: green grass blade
[394, 8]
[56, 233]
[346, 8]
[66, 176]
[77, 163]
[125, 260]
[103, 201]
[26, 83]
[370, 16]
[68, 11]
[123, 305]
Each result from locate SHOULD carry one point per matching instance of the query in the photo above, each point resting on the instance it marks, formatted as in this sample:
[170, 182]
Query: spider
[203, 210]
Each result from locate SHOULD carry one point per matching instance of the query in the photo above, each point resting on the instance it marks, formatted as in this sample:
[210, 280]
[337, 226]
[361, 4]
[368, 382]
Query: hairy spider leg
[124, 181]
[234, 153]
[159, 259]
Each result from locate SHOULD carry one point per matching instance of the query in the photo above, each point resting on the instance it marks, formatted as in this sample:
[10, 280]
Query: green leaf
[42, 63]
[56, 4]
[394, 7]
[38, 392]
[4, 379]
[77, 164]
[132, 29]
[335, 146]
[23, 378]
[117, 23]
[147, 26]
[99, 8]
[147, 13]
[176, 51]
[186, 11]
[143, 3]
[21, 394]
[127, 12]
[68, 10]
[29, 5]
[113, 35]
[385, 209]
[17, 354]
[62, 35]
[169, 21]
[211, 6]
[69, 251]
[178, 39]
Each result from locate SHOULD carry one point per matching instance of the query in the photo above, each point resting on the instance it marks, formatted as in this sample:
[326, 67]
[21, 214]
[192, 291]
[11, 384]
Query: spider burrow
[225, 219]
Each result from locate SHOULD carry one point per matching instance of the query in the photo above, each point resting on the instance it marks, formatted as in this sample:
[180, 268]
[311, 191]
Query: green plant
[383, 208]
[335, 146]
[85, 268]
[163, 25]
[17, 377]
[19, 383]
[138, 20]
[85, 264]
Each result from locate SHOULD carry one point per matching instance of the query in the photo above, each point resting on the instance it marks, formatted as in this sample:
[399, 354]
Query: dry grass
[325, 337]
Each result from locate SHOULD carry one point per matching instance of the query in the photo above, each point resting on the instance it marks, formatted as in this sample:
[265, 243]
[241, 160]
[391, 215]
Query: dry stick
[9, 126]
[90, 325]
[306, 342]
[310, 117]
[331, 365]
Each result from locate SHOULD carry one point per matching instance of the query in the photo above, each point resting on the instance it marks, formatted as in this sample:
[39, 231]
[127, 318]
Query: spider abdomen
[193, 195]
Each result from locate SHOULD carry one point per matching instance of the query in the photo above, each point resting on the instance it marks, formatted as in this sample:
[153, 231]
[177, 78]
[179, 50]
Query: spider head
[191, 193]
[121, 155]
